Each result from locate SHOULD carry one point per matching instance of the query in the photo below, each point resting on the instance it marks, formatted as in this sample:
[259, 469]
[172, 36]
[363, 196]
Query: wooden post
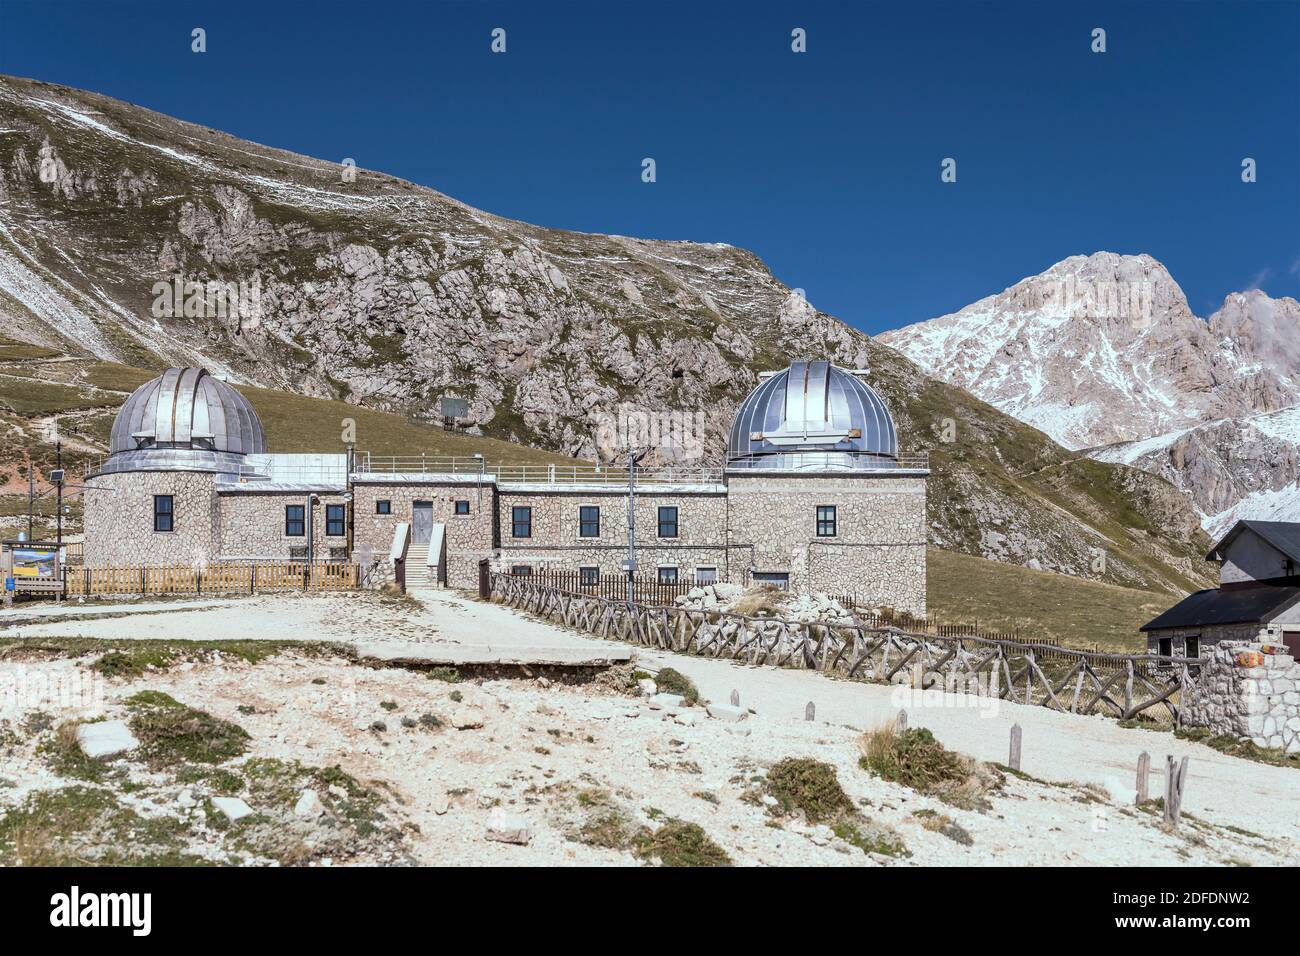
[1143, 777]
[735, 698]
[810, 712]
[1175, 778]
[902, 721]
[1013, 760]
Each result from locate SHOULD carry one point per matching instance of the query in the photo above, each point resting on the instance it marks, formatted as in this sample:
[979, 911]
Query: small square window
[521, 521]
[668, 522]
[335, 521]
[667, 575]
[462, 507]
[589, 521]
[295, 522]
[163, 513]
[705, 576]
[522, 570]
[588, 577]
[825, 521]
[383, 507]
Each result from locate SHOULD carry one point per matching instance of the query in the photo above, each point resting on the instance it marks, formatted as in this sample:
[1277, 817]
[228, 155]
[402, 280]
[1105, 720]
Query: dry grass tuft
[915, 759]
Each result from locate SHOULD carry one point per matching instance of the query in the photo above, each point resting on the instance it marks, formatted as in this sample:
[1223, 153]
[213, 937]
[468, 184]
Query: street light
[633, 457]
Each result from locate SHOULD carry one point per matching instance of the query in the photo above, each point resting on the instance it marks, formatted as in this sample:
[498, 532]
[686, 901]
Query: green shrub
[671, 681]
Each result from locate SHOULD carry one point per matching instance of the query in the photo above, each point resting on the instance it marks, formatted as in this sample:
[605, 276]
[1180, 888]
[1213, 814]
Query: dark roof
[1231, 606]
[1283, 535]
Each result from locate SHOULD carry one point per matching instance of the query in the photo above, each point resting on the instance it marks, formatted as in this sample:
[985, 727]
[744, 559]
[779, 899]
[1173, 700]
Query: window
[522, 570]
[825, 521]
[521, 522]
[667, 575]
[295, 522]
[1193, 646]
[163, 513]
[777, 579]
[383, 507]
[298, 553]
[705, 576]
[335, 525]
[668, 522]
[462, 507]
[588, 577]
[589, 521]
[1165, 647]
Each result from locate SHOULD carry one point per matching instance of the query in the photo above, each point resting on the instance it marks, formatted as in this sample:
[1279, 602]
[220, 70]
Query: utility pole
[630, 564]
[58, 532]
[31, 496]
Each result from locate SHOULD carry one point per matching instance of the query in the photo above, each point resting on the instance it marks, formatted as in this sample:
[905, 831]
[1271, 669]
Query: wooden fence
[1080, 682]
[231, 577]
[646, 589]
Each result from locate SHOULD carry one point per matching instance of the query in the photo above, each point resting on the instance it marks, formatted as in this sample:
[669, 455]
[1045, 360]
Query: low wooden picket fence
[229, 577]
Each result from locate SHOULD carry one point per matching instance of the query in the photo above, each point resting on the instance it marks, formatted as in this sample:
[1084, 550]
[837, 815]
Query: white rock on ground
[667, 700]
[308, 806]
[504, 827]
[234, 808]
[106, 738]
[467, 718]
[647, 687]
[727, 712]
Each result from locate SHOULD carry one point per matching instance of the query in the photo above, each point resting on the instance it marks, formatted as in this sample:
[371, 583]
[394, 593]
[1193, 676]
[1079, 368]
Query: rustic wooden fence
[230, 577]
[1079, 682]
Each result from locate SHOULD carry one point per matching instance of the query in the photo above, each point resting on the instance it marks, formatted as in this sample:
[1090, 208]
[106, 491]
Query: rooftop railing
[555, 474]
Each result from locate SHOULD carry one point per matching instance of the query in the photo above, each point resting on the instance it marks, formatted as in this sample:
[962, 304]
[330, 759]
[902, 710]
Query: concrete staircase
[418, 572]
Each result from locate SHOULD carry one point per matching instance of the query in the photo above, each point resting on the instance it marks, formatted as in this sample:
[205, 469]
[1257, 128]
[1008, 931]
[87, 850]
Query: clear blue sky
[826, 163]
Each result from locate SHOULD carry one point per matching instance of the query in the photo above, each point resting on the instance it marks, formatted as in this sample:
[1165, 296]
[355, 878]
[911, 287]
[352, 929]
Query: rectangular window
[295, 522]
[335, 523]
[588, 577]
[462, 507]
[1193, 647]
[705, 576]
[521, 522]
[163, 513]
[522, 570]
[825, 521]
[589, 521]
[667, 575]
[1165, 647]
[298, 553]
[668, 522]
[383, 507]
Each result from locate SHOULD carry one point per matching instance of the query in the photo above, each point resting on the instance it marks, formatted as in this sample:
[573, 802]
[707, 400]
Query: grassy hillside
[1074, 611]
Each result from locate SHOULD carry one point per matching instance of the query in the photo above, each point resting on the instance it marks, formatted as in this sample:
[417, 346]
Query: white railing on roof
[530, 474]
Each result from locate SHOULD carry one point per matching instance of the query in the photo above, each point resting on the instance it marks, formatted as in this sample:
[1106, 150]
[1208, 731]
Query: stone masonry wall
[469, 538]
[878, 551]
[253, 525]
[119, 519]
[1248, 690]
[555, 542]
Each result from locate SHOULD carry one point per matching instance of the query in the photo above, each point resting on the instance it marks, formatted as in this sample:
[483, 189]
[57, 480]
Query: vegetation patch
[65, 757]
[678, 843]
[812, 788]
[915, 759]
[448, 675]
[943, 824]
[131, 659]
[81, 825]
[171, 733]
[1235, 747]
[671, 681]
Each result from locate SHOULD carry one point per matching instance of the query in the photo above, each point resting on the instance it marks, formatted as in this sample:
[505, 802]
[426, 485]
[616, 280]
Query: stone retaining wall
[1248, 690]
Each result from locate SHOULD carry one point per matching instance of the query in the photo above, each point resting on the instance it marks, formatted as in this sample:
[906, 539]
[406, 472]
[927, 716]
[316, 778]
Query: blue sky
[825, 163]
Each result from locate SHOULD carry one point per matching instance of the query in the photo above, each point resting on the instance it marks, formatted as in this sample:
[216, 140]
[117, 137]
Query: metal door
[421, 522]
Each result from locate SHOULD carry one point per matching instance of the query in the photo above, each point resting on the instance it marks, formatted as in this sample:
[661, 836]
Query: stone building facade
[1248, 690]
[814, 497]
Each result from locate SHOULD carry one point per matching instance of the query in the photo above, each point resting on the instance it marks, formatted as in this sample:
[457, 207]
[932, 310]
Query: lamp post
[630, 564]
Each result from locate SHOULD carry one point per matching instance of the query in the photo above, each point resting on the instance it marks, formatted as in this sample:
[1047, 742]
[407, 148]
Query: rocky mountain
[1103, 350]
[131, 237]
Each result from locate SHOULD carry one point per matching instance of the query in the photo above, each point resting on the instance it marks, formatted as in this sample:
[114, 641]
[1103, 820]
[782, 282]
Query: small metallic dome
[811, 417]
[184, 419]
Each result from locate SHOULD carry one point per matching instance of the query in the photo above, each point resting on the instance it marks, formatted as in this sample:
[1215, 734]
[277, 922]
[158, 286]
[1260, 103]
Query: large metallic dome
[185, 419]
[813, 417]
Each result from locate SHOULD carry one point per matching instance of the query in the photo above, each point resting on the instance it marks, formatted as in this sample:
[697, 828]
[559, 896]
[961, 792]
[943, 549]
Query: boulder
[727, 712]
[233, 808]
[505, 827]
[308, 806]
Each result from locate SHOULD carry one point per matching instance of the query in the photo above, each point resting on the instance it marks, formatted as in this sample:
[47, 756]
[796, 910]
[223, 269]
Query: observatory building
[814, 496]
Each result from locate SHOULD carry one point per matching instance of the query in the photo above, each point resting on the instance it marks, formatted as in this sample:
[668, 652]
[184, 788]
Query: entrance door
[421, 522]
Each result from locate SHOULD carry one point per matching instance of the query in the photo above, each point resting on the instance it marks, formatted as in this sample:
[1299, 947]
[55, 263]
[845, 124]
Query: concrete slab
[107, 738]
